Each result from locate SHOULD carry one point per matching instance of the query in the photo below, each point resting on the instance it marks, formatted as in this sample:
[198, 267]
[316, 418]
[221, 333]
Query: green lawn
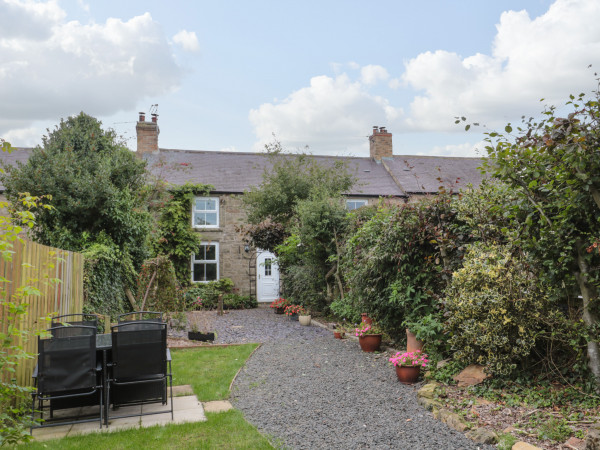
[209, 371]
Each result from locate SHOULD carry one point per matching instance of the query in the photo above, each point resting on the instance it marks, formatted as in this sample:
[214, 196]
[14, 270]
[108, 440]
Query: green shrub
[495, 309]
[107, 274]
[207, 293]
[237, 301]
[158, 289]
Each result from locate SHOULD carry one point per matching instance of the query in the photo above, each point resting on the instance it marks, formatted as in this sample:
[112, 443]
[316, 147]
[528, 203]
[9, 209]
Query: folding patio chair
[140, 371]
[67, 374]
[62, 326]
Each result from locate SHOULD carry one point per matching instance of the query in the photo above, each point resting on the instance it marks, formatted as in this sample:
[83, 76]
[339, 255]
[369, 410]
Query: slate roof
[236, 172]
[425, 174]
[232, 172]
[9, 159]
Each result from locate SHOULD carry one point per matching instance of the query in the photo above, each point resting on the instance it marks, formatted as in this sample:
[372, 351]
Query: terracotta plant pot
[412, 345]
[198, 336]
[304, 320]
[339, 334]
[408, 374]
[366, 319]
[279, 310]
[370, 342]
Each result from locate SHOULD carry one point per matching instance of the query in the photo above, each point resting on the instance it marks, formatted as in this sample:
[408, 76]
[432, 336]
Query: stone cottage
[224, 253]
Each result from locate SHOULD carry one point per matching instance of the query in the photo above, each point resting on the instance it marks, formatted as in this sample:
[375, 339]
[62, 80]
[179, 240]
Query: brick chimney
[380, 143]
[147, 135]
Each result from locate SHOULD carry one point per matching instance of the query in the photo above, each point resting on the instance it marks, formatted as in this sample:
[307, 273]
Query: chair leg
[32, 413]
[171, 379]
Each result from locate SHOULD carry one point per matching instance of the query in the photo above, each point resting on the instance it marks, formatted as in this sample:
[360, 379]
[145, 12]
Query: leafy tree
[96, 186]
[553, 165]
[299, 212]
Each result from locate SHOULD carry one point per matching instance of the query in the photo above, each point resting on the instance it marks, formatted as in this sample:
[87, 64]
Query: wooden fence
[35, 265]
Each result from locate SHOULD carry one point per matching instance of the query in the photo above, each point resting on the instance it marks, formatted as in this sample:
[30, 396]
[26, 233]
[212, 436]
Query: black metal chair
[140, 368]
[62, 326]
[147, 316]
[68, 375]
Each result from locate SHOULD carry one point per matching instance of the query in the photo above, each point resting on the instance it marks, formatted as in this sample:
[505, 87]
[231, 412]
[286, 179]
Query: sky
[317, 75]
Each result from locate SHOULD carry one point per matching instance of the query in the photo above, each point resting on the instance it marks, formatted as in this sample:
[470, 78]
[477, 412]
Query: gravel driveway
[308, 390]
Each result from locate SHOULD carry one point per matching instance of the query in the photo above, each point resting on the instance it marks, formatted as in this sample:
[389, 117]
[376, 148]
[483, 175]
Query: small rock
[427, 403]
[482, 436]
[592, 440]
[442, 363]
[452, 420]
[428, 390]
[509, 430]
[524, 446]
[577, 443]
[471, 375]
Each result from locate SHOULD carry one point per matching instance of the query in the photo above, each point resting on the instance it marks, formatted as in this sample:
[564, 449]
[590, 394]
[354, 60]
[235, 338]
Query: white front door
[267, 277]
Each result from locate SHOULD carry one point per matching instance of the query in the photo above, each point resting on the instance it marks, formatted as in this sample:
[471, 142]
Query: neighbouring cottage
[399, 178]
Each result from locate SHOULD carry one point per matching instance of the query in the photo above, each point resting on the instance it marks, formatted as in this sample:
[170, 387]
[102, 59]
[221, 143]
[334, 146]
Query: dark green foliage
[96, 186]
[398, 262]
[207, 293]
[107, 273]
[265, 235]
[289, 179]
[237, 301]
[175, 236]
[299, 212]
[157, 287]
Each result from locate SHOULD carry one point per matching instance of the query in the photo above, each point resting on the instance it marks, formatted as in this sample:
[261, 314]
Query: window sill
[208, 229]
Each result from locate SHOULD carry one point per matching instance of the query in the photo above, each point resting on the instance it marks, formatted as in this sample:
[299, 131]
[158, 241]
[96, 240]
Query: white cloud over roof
[51, 68]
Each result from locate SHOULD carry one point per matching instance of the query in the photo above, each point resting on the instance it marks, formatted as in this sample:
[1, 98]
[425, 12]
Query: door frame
[259, 288]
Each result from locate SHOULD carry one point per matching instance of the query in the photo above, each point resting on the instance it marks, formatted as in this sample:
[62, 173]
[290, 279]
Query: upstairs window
[352, 204]
[205, 263]
[206, 212]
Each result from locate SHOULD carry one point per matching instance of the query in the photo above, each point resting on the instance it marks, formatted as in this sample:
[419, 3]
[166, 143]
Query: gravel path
[310, 391]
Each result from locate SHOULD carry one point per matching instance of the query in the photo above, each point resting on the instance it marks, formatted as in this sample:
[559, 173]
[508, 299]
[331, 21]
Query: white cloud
[52, 68]
[26, 137]
[187, 40]
[332, 114]
[465, 149]
[545, 57]
[372, 74]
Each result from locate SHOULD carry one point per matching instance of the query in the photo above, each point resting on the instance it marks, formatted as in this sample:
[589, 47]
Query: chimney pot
[154, 118]
[142, 116]
[380, 144]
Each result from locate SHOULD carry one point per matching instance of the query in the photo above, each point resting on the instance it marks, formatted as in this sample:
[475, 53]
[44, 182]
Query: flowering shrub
[366, 329]
[280, 303]
[416, 358]
[295, 309]
[198, 303]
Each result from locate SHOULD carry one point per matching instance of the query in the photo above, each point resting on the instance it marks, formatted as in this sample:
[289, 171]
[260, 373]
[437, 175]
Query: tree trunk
[588, 294]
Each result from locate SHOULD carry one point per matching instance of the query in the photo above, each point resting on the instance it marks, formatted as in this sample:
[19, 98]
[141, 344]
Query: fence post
[220, 310]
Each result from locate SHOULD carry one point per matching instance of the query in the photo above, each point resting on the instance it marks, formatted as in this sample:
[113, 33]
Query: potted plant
[408, 365]
[364, 317]
[304, 316]
[292, 311]
[369, 337]
[279, 305]
[339, 332]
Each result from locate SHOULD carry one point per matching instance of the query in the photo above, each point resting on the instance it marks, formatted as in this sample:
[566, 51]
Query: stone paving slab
[217, 406]
[185, 409]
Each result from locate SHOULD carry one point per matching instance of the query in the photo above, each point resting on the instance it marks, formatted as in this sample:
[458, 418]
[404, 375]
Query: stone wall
[233, 260]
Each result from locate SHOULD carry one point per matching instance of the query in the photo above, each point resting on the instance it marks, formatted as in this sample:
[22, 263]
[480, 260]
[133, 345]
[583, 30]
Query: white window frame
[216, 210]
[364, 202]
[206, 261]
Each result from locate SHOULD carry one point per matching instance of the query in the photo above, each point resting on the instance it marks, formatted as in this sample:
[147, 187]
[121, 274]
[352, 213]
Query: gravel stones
[309, 390]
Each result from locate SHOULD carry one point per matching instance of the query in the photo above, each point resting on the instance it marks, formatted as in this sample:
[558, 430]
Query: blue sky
[227, 75]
